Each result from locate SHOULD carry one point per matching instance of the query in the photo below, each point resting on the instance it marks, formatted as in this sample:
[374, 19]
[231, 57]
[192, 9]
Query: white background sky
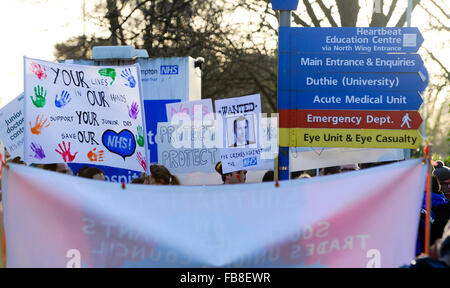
[33, 27]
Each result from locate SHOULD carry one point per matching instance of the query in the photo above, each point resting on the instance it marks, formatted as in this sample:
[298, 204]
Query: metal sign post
[285, 7]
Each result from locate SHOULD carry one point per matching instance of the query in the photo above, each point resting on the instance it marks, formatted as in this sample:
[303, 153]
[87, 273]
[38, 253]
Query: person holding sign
[235, 177]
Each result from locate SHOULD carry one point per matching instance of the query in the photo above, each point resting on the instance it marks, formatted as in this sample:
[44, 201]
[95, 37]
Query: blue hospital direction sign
[350, 39]
[332, 62]
[348, 100]
[373, 82]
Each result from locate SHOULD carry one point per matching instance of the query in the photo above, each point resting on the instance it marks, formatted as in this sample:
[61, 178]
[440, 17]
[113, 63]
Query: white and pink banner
[366, 218]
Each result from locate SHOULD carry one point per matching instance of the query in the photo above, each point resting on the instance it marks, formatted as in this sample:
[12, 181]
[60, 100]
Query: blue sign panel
[380, 82]
[350, 39]
[332, 62]
[350, 100]
[155, 111]
[112, 174]
[284, 4]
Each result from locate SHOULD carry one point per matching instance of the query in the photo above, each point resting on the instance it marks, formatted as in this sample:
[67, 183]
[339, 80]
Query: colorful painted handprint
[63, 100]
[38, 70]
[38, 151]
[39, 125]
[95, 156]
[127, 75]
[140, 136]
[142, 161]
[108, 72]
[40, 94]
[133, 111]
[65, 153]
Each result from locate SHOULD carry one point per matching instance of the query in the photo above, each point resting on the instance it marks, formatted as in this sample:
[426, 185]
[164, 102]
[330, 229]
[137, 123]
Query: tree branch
[402, 19]
[311, 13]
[327, 12]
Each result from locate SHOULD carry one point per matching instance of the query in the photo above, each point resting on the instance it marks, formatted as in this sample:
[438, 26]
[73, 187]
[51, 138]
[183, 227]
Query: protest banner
[84, 114]
[241, 119]
[12, 126]
[368, 219]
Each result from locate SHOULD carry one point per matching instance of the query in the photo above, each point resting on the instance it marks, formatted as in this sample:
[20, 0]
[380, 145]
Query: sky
[33, 27]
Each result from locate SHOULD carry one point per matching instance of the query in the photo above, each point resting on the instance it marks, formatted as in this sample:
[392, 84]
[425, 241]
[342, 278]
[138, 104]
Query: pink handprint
[65, 153]
[38, 70]
[142, 161]
[134, 111]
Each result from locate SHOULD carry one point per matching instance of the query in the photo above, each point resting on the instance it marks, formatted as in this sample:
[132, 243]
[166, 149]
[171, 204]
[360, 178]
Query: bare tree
[241, 57]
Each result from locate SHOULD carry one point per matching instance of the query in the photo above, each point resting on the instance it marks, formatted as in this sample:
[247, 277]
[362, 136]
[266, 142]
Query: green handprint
[140, 136]
[40, 96]
[108, 72]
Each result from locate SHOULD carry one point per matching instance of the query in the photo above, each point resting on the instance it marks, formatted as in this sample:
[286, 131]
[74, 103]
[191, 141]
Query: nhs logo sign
[169, 69]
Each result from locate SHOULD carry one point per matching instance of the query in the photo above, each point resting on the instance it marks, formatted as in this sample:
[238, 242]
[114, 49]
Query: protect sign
[84, 114]
[351, 138]
[350, 119]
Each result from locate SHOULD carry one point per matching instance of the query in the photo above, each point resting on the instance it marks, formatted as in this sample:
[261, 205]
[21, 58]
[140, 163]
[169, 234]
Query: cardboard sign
[187, 148]
[84, 114]
[240, 126]
[12, 126]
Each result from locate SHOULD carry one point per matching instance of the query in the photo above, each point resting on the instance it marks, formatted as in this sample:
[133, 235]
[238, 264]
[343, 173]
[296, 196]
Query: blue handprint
[126, 74]
[63, 100]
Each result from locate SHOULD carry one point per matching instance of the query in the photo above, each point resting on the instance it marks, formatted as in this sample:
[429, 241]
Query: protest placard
[12, 126]
[84, 114]
[187, 148]
[240, 124]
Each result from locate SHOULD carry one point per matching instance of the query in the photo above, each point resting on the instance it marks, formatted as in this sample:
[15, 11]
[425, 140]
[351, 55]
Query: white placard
[240, 123]
[188, 148]
[12, 126]
[84, 114]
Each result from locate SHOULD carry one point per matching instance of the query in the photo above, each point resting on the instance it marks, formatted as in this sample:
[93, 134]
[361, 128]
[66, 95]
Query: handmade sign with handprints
[83, 114]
